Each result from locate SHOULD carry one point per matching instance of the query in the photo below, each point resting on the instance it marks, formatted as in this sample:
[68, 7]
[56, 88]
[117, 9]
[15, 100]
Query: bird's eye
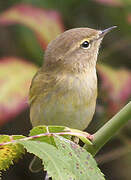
[85, 45]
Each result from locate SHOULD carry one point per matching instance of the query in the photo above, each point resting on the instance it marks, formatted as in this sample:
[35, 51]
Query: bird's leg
[75, 139]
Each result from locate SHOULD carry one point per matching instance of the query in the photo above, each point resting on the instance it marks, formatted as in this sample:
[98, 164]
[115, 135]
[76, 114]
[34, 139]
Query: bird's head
[75, 49]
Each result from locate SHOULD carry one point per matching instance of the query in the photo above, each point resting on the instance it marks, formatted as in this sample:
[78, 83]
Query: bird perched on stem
[64, 90]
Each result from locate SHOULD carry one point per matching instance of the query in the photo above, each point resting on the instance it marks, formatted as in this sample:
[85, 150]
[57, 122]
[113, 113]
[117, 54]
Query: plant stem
[109, 129]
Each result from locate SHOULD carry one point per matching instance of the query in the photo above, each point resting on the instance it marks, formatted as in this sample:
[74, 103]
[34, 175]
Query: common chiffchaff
[64, 90]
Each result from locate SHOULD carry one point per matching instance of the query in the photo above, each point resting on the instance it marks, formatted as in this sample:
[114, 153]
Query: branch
[109, 129]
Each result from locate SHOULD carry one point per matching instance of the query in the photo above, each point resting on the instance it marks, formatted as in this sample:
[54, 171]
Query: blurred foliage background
[26, 27]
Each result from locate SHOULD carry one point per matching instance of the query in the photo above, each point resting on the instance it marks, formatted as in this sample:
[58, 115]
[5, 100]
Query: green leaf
[84, 136]
[45, 129]
[83, 165]
[67, 161]
[40, 130]
[9, 153]
[48, 129]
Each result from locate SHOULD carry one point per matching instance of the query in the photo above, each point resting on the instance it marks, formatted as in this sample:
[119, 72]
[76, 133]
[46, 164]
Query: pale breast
[71, 102]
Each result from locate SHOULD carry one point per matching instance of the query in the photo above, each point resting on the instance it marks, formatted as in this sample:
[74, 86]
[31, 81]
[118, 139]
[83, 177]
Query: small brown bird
[64, 90]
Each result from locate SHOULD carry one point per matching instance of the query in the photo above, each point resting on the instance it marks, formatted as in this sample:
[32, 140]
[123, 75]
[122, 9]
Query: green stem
[109, 129]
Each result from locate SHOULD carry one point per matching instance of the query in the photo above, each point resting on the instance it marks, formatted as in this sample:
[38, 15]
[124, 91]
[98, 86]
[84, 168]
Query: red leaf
[15, 78]
[46, 24]
[117, 84]
[110, 2]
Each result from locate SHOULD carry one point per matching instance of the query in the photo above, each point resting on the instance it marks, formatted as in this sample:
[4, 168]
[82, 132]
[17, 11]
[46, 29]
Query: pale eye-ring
[85, 45]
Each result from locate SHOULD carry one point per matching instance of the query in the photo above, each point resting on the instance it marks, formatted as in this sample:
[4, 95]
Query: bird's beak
[105, 31]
